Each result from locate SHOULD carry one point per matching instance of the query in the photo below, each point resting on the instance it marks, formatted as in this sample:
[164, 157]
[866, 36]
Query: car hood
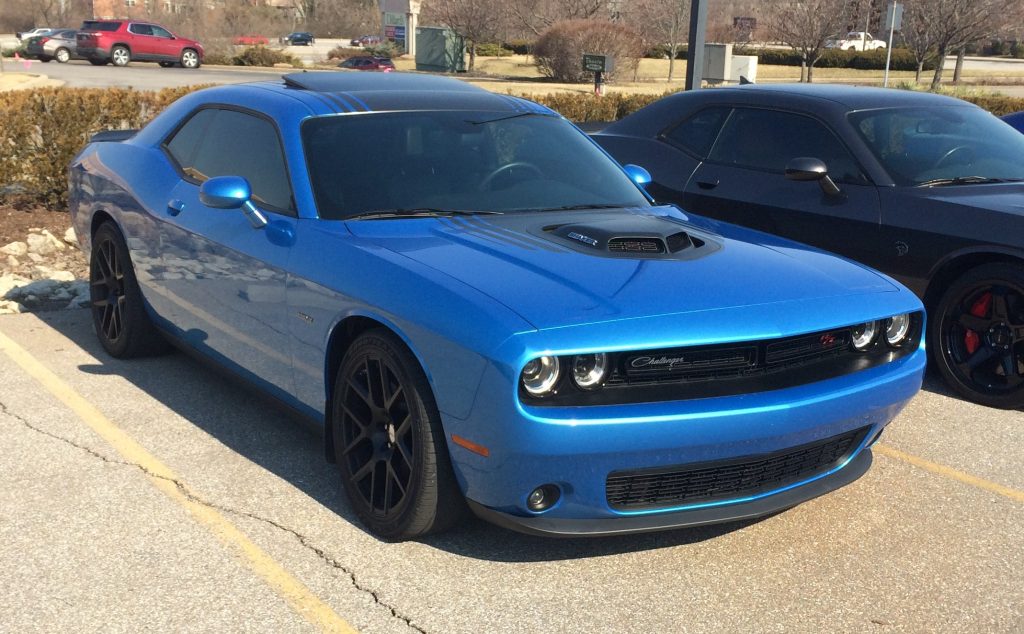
[533, 264]
[1002, 197]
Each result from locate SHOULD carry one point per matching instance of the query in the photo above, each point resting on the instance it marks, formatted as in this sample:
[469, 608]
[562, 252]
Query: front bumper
[576, 449]
[751, 509]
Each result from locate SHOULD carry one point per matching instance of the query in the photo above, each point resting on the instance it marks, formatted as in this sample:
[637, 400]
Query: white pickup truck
[855, 41]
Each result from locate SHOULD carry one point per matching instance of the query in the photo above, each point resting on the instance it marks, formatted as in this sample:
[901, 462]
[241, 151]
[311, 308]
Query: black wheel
[118, 312]
[46, 60]
[189, 58]
[98, 62]
[62, 55]
[389, 444]
[120, 55]
[977, 335]
[166, 64]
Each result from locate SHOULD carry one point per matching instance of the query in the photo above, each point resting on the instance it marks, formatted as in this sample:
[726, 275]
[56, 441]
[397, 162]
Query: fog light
[542, 498]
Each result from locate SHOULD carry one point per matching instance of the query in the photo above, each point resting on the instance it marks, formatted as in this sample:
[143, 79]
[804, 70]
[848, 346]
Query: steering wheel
[486, 182]
[967, 151]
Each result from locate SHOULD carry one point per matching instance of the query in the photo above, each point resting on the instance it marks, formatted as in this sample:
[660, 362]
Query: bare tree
[537, 15]
[664, 22]
[477, 21]
[919, 34]
[960, 22]
[806, 26]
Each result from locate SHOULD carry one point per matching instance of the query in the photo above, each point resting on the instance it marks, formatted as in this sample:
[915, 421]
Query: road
[145, 76]
[155, 495]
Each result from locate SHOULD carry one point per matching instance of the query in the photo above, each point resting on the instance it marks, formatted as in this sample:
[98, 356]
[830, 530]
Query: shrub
[218, 58]
[902, 59]
[344, 52]
[559, 51]
[582, 108]
[519, 47]
[263, 56]
[1017, 50]
[492, 49]
[384, 49]
[44, 128]
[9, 52]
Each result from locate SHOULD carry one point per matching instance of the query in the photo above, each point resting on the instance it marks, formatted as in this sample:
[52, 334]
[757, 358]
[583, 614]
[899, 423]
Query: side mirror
[639, 175]
[232, 192]
[805, 168]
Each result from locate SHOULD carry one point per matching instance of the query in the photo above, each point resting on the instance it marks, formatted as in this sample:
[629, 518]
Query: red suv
[121, 41]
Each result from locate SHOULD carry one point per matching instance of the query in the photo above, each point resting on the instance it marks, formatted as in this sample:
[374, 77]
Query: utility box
[440, 50]
[717, 63]
[743, 66]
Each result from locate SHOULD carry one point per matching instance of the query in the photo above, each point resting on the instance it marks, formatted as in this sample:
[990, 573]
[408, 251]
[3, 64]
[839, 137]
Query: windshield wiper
[967, 180]
[575, 207]
[419, 212]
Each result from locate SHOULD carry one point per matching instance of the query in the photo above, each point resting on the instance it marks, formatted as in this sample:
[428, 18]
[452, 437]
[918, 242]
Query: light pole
[695, 50]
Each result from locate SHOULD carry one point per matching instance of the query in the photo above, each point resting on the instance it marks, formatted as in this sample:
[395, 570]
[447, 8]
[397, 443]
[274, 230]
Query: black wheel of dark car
[389, 443]
[118, 313]
[62, 55]
[488, 180]
[45, 60]
[98, 62]
[189, 58]
[120, 55]
[977, 335]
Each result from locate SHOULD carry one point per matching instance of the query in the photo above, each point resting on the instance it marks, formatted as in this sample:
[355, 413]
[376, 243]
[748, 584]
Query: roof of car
[365, 92]
[853, 97]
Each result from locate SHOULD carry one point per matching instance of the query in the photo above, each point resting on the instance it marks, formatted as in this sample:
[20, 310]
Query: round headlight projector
[897, 329]
[864, 334]
[588, 370]
[540, 375]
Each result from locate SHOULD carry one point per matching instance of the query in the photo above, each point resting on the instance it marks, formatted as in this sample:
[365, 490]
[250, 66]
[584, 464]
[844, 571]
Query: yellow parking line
[298, 596]
[950, 472]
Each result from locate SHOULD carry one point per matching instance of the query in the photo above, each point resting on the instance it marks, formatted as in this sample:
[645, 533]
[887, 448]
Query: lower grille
[735, 478]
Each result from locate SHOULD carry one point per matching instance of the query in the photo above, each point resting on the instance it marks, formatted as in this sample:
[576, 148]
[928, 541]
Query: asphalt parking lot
[155, 495]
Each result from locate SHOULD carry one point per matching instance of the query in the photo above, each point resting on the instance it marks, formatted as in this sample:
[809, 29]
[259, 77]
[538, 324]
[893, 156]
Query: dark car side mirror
[805, 168]
[232, 192]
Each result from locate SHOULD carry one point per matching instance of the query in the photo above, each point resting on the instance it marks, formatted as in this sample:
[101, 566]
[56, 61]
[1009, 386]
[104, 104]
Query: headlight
[864, 334]
[540, 375]
[897, 328]
[588, 370]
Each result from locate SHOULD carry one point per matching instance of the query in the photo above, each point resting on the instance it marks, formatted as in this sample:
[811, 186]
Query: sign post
[599, 65]
[893, 22]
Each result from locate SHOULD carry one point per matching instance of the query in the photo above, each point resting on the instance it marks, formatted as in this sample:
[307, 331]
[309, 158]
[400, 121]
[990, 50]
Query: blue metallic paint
[474, 310]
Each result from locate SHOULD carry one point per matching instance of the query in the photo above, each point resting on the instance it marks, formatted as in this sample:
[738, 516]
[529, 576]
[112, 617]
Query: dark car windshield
[471, 161]
[942, 144]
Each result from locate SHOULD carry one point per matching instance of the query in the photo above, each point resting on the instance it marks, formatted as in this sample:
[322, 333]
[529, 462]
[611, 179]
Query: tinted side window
[182, 145]
[140, 29]
[216, 142]
[768, 140]
[697, 133]
[160, 32]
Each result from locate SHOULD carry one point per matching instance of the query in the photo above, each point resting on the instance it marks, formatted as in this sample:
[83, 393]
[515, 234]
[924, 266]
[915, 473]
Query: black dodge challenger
[927, 188]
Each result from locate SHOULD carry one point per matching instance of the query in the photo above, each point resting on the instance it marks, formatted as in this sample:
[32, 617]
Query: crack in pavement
[302, 539]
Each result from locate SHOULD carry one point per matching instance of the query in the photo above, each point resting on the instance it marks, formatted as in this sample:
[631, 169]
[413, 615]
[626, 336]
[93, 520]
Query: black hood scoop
[630, 235]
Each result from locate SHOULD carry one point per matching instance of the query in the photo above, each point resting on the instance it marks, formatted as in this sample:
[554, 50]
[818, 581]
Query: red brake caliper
[980, 308]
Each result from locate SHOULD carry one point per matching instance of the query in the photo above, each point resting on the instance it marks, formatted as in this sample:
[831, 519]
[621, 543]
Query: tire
[976, 335]
[118, 310]
[120, 55]
[62, 55]
[45, 60]
[98, 62]
[402, 444]
[189, 58]
[166, 64]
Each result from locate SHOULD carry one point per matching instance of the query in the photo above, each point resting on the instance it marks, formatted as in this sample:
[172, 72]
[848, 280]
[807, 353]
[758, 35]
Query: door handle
[708, 184]
[175, 207]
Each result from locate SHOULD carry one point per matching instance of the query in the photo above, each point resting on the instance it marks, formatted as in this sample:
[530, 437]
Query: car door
[743, 181]
[141, 41]
[165, 46]
[224, 278]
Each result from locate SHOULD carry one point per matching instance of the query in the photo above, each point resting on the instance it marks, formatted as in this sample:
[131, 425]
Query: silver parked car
[58, 44]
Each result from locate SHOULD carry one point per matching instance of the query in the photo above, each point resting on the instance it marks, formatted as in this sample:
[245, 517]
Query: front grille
[735, 478]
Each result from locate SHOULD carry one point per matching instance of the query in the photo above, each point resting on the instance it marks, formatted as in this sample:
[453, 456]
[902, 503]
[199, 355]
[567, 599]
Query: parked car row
[116, 42]
[55, 44]
[368, 62]
[484, 312]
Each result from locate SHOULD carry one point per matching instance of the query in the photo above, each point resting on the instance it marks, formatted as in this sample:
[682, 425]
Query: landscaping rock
[15, 249]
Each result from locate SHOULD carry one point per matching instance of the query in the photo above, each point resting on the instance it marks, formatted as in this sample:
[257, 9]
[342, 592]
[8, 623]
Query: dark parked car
[121, 41]
[923, 187]
[298, 38]
[368, 63]
[367, 40]
[58, 44]
[1016, 120]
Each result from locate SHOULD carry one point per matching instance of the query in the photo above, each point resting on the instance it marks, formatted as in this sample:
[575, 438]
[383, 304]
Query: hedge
[43, 129]
[902, 59]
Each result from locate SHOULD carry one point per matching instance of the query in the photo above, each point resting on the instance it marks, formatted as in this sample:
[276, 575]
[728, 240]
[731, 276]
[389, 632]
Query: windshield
[942, 143]
[461, 160]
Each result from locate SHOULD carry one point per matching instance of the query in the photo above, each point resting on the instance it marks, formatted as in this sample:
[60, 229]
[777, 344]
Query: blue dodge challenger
[484, 311]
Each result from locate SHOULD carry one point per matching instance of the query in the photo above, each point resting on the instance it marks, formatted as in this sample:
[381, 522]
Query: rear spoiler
[112, 136]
